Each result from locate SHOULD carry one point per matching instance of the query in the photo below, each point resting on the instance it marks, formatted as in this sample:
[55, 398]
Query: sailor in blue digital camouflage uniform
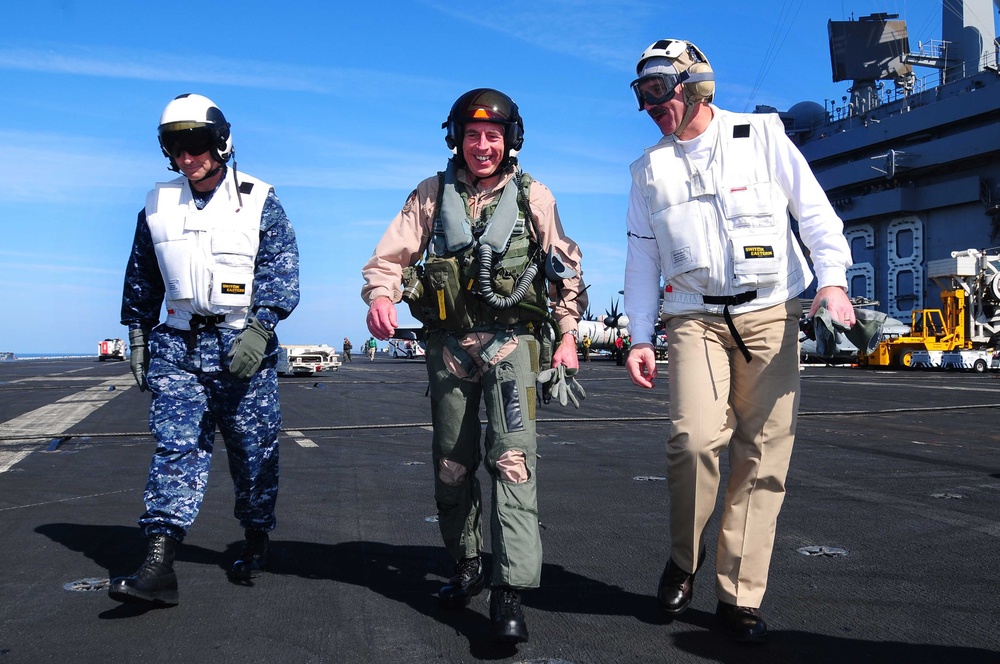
[217, 246]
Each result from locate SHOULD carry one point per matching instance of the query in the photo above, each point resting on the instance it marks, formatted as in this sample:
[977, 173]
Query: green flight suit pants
[508, 389]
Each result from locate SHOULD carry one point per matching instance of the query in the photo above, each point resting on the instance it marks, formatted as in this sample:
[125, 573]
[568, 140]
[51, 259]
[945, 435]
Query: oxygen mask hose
[484, 281]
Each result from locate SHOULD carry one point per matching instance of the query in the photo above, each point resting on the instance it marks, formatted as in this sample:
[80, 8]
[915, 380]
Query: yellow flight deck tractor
[930, 329]
[956, 335]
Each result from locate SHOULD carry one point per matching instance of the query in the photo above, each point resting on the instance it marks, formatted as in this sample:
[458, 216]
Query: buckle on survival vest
[732, 300]
[198, 323]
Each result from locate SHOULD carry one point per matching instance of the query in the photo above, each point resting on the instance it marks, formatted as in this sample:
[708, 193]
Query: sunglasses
[654, 89]
[196, 141]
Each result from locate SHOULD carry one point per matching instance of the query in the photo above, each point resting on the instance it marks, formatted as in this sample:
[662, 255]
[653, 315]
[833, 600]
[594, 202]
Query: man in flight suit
[217, 246]
[497, 261]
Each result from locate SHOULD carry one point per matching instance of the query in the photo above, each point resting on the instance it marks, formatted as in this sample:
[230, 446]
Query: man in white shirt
[709, 212]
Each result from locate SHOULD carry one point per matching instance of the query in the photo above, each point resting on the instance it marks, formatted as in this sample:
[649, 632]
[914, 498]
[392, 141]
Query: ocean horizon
[14, 356]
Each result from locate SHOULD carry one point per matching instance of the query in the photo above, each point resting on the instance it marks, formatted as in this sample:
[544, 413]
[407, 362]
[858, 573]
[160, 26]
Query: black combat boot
[155, 581]
[253, 560]
[469, 581]
[506, 618]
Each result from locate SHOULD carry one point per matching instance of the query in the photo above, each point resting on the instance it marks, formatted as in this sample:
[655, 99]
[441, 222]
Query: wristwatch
[575, 333]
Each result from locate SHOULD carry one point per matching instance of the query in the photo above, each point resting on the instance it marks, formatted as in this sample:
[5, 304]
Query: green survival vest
[441, 292]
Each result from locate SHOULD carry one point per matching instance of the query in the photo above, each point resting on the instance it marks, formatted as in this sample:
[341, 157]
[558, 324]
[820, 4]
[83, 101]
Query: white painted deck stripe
[55, 417]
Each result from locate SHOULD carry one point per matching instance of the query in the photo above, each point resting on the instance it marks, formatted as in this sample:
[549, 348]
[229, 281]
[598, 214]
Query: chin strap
[211, 174]
[236, 179]
[688, 116]
[215, 171]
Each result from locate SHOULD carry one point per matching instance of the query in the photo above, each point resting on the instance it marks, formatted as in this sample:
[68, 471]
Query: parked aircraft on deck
[604, 330]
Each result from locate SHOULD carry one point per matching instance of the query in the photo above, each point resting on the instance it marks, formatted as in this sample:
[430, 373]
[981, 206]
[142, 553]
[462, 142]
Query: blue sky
[340, 106]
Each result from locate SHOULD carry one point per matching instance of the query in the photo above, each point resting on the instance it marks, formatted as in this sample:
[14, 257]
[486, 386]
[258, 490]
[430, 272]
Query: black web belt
[199, 322]
[728, 301]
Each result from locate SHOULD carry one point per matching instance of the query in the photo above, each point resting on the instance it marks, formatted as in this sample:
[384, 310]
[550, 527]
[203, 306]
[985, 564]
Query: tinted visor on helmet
[487, 106]
[654, 89]
[194, 140]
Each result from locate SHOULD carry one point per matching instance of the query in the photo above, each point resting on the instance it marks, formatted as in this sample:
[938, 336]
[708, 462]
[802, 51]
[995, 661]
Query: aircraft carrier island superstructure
[911, 164]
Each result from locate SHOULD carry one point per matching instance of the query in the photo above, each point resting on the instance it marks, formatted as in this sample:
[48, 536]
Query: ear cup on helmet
[451, 134]
[221, 129]
[514, 134]
[700, 90]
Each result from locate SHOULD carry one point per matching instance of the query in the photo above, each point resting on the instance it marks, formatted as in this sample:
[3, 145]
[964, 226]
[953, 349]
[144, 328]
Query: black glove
[248, 350]
[139, 358]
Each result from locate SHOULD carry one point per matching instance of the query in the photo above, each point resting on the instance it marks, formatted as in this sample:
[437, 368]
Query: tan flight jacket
[405, 241]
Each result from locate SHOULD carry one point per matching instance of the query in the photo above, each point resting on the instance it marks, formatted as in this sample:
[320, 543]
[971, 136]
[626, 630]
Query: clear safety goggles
[654, 89]
[194, 141]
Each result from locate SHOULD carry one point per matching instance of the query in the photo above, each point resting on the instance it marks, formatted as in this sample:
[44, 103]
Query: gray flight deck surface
[907, 484]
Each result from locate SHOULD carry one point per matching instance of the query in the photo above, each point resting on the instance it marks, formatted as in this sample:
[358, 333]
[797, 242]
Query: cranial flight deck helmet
[194, 124]
[485, 105]
[674, 61]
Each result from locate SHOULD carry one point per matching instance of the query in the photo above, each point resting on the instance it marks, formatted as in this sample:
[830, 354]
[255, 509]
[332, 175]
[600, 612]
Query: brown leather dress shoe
[676, 587]
[742, 623]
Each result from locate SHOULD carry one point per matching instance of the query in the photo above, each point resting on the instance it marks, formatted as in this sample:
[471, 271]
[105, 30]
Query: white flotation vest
[207, 257]
[729, 224]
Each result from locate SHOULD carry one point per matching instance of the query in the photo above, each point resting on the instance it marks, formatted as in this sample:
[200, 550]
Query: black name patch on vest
[246, 187]
[234, 289]
[758, 251]
[741, 131]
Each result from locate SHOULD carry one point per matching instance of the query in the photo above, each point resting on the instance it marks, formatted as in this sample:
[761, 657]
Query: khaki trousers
[719, 401]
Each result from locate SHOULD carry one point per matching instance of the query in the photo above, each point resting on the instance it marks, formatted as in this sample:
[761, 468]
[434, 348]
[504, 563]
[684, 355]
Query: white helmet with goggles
[666, 63]
[194, 124]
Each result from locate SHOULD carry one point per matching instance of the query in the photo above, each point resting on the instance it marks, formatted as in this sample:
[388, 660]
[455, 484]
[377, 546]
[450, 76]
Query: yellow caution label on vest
[758, 251]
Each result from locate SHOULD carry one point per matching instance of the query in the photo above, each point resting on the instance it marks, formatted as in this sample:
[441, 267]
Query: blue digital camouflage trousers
[193, 393]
